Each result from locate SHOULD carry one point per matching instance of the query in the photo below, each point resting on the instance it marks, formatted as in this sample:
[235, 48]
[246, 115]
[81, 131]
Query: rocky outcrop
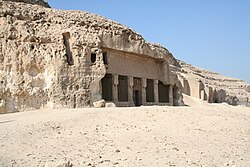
[46, 59]
[34, 2]
[45, 55]
[211, 86]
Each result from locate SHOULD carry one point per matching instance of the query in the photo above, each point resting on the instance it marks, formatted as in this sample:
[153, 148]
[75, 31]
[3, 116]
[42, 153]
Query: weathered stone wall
[211, 86]
[32, 81]
[133, 65]
[35, 68]
[45, 56]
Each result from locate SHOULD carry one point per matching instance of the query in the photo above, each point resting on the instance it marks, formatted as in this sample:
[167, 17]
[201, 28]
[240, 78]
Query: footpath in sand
[200, 134]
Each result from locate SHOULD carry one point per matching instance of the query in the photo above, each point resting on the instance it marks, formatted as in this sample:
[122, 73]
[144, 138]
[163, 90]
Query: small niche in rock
[93, 57]
[32, 39]
[34, 71]
[32, 47]
[66, 42]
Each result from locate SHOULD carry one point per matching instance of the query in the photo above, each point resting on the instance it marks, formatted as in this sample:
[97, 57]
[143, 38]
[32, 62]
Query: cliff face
[45, 58]
[211, 86]
[45, 55]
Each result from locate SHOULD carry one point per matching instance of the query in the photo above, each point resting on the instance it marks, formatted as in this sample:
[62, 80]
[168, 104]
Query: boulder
[110, 105]
[99, 104]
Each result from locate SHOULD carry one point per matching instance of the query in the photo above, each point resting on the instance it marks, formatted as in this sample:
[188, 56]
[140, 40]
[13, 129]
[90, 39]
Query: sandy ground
[200, 134]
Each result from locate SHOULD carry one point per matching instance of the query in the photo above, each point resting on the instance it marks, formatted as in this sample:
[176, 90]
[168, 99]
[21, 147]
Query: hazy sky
[211, 34]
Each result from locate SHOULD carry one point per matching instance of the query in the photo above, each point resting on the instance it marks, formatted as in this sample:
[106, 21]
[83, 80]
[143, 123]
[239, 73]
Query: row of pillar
[143, 91]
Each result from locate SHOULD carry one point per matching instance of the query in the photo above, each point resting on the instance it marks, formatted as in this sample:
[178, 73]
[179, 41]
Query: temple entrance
[150, 91]
[163, 92]
[215, 97]
[123, 88]
[137, 96]
[107, 87]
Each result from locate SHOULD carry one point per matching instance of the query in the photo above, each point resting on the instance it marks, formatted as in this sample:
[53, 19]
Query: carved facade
[134, 79]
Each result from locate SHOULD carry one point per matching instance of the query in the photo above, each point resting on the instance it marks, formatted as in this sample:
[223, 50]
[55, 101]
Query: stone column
[171, 96]
[165, 70]
[143, 93]
[115, 88]
[156, 96]
[203, 95]
[130, 90]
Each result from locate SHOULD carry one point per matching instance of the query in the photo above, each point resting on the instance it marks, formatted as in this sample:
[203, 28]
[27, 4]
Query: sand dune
[200, 134]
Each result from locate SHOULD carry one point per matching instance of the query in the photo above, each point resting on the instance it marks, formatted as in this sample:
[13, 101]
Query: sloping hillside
[232, 86]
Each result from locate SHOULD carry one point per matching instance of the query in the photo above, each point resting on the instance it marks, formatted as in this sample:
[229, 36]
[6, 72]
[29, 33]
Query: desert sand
[199, 134]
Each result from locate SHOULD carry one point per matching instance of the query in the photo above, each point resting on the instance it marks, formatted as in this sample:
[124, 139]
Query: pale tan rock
[99, 104]
[110, 105]
[211, 86]
[55, 59]
[45, 57]
[36, 2]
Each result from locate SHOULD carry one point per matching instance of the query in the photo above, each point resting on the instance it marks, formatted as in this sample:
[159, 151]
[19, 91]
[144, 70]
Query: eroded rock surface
[35, 2]
[45, 55]
[53, 58]
[211, 86]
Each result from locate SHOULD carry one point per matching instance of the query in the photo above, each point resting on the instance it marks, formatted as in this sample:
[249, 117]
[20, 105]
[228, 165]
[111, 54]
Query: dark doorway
[123, 88]
[137, 98]
[107, 87]
[150, 91]
[137, 92]
[163, 91]
[215, 97]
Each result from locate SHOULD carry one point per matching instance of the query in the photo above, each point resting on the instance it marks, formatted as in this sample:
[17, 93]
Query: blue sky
[211, 34]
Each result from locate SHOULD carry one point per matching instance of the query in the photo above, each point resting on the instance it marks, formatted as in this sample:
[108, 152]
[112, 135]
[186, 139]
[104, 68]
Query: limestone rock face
[211, 86]
[45, 55]
[54, 58]
[37, 2]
